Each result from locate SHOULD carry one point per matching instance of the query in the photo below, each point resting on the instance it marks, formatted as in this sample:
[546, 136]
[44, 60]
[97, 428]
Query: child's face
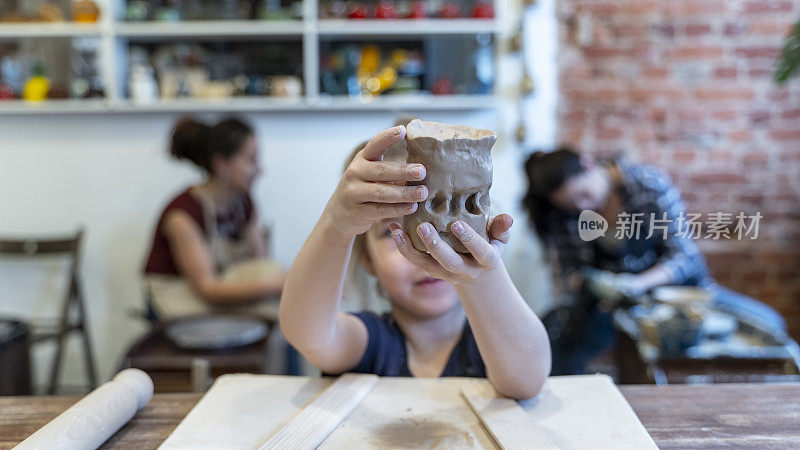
[409, 288]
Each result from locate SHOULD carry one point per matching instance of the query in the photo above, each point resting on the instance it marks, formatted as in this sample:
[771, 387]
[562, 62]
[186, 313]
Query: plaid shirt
[646, 190]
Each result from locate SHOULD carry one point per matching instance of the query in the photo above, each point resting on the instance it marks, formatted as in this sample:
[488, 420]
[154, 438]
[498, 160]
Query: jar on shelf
[85, 11]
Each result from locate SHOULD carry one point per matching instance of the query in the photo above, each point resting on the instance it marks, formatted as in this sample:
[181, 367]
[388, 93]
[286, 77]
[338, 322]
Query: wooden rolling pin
[96, 417]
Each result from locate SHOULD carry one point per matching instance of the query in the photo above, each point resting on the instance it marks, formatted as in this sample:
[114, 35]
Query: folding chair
[73, 301]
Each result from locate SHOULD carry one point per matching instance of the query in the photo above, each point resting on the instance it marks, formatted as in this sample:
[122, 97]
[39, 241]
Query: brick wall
[686, 85]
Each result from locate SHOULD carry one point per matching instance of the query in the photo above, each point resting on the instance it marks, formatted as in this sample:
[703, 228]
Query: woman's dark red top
[160, 260]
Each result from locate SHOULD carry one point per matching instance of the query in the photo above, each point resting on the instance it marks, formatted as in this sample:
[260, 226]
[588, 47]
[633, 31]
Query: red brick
[767, 6]
[758, 158]
[697, 29]
[630, 30]
[646, 94]
[697, 52]
[575, 115]
[778, 95]
[735, 29]
[609, 133]
[740, 135]
[759, 52]
[792, 134]
[594, 95]
[604, 52]
[752, 198]
[655, 73]
[771, 28]
[642, 7]
[664, 29]
[758, 116]
[763, 72]
[684, 156]
[724, 94]
[656, 115]
[599, 8]
[692, 7]
[718, 178]
[692, 115]
[725, 72]
[791, 114]
[726, 115]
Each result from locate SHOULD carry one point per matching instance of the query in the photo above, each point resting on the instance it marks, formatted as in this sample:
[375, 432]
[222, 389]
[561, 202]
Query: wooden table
[677, 416]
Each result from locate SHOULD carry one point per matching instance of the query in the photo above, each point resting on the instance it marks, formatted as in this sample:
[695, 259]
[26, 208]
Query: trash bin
[15, 367]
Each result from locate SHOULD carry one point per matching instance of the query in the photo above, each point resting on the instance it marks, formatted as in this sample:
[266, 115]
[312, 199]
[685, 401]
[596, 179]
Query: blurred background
[89, 91]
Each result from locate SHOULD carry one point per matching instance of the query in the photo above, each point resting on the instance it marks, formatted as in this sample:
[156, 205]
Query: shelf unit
[114, 35]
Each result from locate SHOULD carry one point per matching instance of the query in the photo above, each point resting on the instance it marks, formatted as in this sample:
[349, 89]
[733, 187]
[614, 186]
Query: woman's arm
[678, 257]
[309, 311]
[194, 262]
[512, 340]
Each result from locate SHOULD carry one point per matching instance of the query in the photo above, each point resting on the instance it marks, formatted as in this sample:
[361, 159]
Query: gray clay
[458, 162]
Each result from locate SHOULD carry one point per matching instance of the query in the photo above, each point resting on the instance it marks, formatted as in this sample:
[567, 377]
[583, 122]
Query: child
[452, 315]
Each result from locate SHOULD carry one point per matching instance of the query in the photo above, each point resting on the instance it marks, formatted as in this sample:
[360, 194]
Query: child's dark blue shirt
[386, 351]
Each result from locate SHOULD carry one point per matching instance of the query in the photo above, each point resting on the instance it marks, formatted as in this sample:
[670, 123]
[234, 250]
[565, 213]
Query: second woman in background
[208, 251]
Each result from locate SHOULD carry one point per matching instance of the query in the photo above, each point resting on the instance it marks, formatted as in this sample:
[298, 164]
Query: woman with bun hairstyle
[211, 227]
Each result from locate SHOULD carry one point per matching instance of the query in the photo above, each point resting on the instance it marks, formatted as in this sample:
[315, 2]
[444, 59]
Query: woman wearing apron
[208, 252]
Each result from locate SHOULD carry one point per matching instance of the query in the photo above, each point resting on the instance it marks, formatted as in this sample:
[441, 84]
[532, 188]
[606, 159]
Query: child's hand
[443, 262]
[371, 190]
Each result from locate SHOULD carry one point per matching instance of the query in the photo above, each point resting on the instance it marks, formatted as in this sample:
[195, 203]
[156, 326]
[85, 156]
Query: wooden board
[307, 430]
[245, 411]
[505, 420]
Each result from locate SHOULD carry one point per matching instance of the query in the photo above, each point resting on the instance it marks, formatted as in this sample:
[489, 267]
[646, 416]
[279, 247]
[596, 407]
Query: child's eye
[386, 234]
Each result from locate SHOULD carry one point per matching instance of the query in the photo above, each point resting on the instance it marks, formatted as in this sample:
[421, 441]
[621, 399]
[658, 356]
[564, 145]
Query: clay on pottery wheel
[458, 162]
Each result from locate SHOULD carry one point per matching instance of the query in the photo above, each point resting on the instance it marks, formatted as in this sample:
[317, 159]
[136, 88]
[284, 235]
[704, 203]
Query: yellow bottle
[85, 11]
[37, 86]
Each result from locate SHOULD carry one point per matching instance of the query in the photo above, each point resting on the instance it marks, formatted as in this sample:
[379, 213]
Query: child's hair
[363, 290]
[199, 143]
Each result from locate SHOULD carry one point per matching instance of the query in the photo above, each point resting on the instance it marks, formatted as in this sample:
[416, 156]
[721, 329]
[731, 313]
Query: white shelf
[115, 35]
[220, 104]
[59, 106]
[399, 27]
[419, 102]
[47, 29]
[407, 103]
[210, 28]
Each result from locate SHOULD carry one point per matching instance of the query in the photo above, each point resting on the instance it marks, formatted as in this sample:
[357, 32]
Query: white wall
[111, 173]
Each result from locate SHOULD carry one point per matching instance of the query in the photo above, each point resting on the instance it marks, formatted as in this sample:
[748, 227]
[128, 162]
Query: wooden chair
[73, 301]
[174, 369]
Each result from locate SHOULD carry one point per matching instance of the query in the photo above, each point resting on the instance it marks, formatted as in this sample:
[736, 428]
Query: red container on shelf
[386, 10]
[450, 10]
[483, 10]
[418, 10]
[357, 11]
[442, 86]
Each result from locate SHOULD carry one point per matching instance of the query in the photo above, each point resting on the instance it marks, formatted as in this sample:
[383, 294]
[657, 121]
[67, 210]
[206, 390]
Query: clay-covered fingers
[420, 259]
[378, 211]
[440, 250]
[498, 227]
[381, 142]
[484, 253]
[386, 193]
[381, 171]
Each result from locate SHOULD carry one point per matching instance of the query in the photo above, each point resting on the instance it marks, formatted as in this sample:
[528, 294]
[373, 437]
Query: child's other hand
[371, 189]
[443, 262]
